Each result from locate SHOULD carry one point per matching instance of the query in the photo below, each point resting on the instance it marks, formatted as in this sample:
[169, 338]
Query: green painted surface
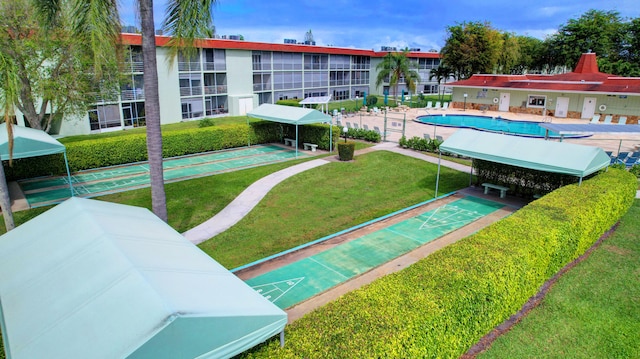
[301, 280]
[50, 190]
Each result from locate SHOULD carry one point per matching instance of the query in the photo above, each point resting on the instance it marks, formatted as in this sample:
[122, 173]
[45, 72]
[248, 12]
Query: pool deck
[607, 142]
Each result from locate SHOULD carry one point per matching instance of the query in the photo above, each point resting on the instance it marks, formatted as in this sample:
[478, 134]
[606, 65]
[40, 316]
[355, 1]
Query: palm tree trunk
[152, 110]
[5, 202]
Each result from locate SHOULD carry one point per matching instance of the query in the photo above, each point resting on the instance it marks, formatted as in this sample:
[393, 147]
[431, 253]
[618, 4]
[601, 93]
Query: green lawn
[593, 311]
[328, 199]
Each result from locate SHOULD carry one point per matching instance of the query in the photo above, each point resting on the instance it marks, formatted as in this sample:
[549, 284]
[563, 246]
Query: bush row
[420, 144]
[95, 153]
[443, 304]
[362, 134]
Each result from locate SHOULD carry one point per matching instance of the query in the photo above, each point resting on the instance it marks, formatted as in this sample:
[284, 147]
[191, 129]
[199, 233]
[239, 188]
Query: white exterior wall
[168, 87]
[239, 80]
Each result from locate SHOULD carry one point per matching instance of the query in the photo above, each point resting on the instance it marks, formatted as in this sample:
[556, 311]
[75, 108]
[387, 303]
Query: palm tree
[441, 73]
[97, 26]
[8, 94]
[396, 66]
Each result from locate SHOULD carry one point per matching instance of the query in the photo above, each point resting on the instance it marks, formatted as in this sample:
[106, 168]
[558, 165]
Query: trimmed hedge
[346, 151]
[89, 154]
[443, 304]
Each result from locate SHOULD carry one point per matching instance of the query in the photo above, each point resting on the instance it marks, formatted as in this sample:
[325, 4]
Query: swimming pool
[492, 124]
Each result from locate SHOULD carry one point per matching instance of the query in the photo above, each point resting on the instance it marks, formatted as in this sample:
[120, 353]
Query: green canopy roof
[288, 114]
[28, 142]
[547, 156]
[92, 279]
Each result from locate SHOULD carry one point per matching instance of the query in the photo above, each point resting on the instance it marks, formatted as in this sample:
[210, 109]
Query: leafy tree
[97, 25]
[396, 66]
[509, 53]
[471, 47]
[602, 32]
[56, 72]
[531, 57]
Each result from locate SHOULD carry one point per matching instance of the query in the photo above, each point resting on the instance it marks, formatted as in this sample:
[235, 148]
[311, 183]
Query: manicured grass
[593, 311]
[327, 199]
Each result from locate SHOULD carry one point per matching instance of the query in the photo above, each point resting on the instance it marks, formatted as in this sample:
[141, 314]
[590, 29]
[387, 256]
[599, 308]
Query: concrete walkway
[250, 197]
[244, 203]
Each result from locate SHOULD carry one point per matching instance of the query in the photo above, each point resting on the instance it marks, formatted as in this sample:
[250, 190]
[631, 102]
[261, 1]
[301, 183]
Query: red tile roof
[586, 77]
[136, 39]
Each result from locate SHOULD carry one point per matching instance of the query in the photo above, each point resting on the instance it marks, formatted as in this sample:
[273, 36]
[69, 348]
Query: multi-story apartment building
[233, 77]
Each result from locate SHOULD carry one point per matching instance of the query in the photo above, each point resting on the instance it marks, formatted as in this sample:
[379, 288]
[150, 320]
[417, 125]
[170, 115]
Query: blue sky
[403, 23]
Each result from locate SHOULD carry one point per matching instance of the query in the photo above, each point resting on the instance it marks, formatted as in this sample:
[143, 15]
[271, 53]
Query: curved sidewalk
[244, 203]
[250, 197]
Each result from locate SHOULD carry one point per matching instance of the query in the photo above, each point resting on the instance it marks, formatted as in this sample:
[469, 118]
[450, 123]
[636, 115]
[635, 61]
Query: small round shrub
[206, 122]
[346, 150]
[372, 100]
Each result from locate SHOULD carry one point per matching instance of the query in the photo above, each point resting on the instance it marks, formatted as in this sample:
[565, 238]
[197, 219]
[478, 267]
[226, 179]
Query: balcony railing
[188, 66]
[130, 95]
[213, 90]
[190, 91]
[212, 66]
[262, 87]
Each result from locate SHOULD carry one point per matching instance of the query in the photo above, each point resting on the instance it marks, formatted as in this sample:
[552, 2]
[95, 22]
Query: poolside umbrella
[364, 99]
[386, 100]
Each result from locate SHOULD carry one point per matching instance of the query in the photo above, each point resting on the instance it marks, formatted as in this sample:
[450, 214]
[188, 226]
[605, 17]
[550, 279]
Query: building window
[133, 114]
[190, 85]
[261, 60]
[214, 60]
[537, 101]
[102, 117]
[192, 108]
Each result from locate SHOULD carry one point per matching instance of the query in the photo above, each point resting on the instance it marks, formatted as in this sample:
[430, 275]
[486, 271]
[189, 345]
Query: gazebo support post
[249, 136]
[296, 140]
[66, 163]
[438, 175]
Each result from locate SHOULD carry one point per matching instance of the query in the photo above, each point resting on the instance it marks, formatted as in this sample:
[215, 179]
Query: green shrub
[420, 144]
[294, 102]
[372, 100]
[206, 122]
[346, 150]
[443, 304]
[635, 170]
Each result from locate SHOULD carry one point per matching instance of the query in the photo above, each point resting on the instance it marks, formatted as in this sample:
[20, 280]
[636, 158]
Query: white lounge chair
[622, 120]
[608, 118]
[595, 119]
[429, 105]
[437, 106]
[445, 106]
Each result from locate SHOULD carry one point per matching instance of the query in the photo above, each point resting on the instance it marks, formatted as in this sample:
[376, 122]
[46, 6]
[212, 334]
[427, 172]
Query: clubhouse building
[584, 93]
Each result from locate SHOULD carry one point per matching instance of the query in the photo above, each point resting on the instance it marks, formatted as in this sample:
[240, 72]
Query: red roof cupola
[587, 64]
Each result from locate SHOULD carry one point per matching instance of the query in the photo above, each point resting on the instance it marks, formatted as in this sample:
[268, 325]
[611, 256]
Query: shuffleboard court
[307, 277]
[51, 190]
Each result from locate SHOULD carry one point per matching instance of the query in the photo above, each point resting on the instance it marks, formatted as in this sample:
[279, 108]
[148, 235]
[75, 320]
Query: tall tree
[397, 67]
[508, 54]
[9, 86]
[55, 71]
[471, 47]
[97, 21]
[596, 31]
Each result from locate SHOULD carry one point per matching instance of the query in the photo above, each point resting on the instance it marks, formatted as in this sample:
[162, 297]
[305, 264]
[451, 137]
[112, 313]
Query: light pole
[465, 101]
[356, 103]
[344, 131]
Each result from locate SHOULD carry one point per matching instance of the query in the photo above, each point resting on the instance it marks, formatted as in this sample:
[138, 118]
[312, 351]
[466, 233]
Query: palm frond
[185, 21]
[96, 24]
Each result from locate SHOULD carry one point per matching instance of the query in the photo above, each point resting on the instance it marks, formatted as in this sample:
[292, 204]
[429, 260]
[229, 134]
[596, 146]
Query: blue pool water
[492, 124]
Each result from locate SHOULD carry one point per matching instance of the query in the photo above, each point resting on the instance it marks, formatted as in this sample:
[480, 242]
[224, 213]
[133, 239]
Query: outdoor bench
[503, 190]
[310, 146]
[289, 142]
